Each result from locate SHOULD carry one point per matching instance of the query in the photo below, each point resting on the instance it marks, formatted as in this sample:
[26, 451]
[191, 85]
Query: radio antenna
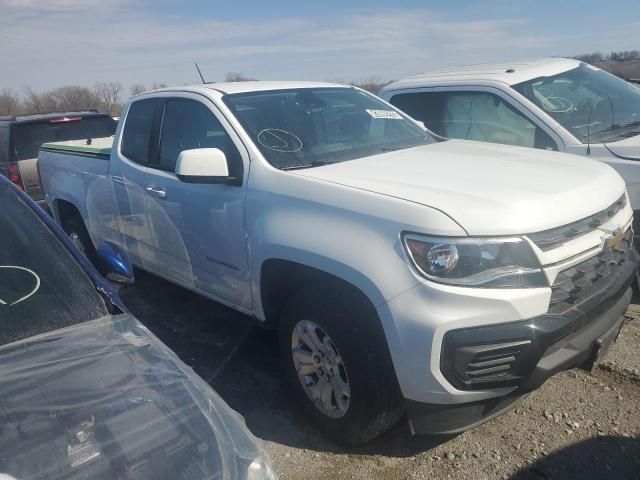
[589, 129]
[200, 73]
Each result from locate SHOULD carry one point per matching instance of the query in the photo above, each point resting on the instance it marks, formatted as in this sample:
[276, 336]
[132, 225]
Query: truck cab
[555, 104]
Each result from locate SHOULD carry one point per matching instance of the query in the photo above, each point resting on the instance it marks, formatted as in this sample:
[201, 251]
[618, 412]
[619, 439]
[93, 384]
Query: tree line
[109, 96]
[624, 64]
[105, 97]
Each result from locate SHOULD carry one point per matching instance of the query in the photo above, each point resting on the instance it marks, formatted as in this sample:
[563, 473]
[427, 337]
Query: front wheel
[337, 362]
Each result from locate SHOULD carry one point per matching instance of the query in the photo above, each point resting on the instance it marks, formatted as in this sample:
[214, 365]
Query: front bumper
[577, 338]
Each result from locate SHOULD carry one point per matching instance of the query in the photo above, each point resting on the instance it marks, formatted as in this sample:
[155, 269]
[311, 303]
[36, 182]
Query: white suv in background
[554, 104]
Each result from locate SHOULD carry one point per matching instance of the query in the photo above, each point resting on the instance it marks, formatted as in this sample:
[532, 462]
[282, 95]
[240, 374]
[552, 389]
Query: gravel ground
[577, 425]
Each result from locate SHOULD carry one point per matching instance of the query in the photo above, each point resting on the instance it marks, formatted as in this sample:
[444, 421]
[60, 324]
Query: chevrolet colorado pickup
[404, 275]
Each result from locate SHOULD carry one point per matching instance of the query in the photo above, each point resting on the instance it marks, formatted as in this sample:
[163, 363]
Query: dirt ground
[577, 425]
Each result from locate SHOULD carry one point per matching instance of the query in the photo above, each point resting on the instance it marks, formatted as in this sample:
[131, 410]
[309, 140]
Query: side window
[474, 116]
[4, 144]
[187, 125]
[136, 134]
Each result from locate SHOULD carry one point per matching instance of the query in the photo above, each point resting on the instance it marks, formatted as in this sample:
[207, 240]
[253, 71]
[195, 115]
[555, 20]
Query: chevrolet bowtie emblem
[613, 239]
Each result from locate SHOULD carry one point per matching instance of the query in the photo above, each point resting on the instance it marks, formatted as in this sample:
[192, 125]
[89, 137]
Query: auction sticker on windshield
[386, 114]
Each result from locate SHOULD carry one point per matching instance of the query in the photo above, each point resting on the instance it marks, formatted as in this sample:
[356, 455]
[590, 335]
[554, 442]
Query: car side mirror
[114, 264]
[203, 165]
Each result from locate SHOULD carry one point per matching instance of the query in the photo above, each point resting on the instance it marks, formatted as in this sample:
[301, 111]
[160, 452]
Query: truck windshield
[42, 288]
[28, 137]
[591, 104]
[301, 128]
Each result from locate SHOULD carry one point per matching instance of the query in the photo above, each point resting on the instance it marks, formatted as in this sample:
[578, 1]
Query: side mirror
[203, 165]
[114, 264]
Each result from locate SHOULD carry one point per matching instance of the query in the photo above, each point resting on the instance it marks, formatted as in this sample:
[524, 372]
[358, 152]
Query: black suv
[21, 137]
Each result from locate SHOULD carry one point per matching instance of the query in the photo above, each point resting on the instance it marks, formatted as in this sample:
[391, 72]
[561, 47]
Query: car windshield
[42, 288]
[28, 137]
[301, 128]
[590, 103]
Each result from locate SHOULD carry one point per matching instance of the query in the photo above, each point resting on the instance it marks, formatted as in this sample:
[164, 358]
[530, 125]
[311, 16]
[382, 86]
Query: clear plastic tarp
[106, 399]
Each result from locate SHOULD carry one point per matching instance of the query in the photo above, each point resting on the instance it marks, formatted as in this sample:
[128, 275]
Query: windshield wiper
[618, 127]
[315, 163]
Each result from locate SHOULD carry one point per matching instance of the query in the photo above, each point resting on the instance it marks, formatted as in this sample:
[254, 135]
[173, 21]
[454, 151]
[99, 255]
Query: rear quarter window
[138, 126]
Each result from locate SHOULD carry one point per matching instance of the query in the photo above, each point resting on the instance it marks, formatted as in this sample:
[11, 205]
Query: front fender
[351, 234]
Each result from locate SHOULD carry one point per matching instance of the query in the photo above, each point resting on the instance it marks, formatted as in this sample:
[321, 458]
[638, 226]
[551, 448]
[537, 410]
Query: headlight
[476, 262]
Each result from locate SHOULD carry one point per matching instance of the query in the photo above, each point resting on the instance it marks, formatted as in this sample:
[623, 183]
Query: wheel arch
[64, 209]
[280, 278]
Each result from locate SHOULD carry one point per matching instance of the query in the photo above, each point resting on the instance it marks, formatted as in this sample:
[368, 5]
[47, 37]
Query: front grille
[579, 283]
[550, 239]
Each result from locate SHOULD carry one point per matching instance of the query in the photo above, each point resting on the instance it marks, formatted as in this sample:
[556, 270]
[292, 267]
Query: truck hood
[106, 399]
[487, 189]
[627, 148]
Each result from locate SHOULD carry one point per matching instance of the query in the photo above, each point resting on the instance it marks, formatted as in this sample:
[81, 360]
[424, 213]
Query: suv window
[42, 288]
[473, 116]
[136, 135]
[188, 125]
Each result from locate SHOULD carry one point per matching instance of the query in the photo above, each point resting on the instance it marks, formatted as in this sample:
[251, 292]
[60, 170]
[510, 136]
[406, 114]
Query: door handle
[157, 191]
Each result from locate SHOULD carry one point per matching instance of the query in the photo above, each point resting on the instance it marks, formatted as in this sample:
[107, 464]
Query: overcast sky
[48, 43]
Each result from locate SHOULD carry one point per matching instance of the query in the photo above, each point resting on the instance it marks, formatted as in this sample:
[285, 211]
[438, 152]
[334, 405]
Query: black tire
[75, 226]
[352, 323]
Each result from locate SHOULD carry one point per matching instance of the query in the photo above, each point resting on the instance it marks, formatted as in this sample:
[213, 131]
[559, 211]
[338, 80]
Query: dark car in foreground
[21, 137]
[86, 391]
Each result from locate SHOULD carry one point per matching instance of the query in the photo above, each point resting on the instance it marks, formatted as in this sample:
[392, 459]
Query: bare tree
[9, 102]
[32, 100]
[371, 84]
[624, 64]
[39, 102]
[108, 93]
[70, 98]
[137, 89]
[237, 77]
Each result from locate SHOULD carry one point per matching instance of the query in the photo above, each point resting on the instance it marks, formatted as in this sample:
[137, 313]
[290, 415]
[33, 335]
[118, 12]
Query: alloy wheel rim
[320, 369]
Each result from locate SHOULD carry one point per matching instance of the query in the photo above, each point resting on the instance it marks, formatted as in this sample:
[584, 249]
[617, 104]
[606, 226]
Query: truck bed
[77, 173]
[99, 147]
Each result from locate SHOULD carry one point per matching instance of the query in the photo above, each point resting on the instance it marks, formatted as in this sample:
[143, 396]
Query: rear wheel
[337, 362]
[74, 227]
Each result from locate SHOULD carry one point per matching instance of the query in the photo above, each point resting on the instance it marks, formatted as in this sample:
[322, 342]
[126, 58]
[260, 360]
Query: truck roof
[510, 73]
[39, 117]
[250, 86]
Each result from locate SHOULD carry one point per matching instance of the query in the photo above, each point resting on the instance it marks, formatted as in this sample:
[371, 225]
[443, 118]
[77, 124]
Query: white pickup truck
[443, 280]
